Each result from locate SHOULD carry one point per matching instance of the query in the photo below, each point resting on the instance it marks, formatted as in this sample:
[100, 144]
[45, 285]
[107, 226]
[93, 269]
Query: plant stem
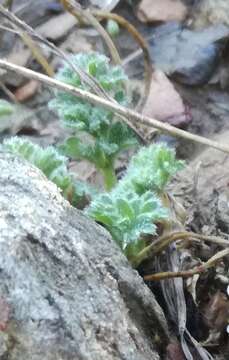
[109, 176]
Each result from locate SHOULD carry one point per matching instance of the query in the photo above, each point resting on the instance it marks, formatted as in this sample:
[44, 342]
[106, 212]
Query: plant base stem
[110, 179]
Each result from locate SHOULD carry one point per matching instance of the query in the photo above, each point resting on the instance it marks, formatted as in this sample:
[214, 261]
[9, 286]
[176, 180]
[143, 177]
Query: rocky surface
[66, 291]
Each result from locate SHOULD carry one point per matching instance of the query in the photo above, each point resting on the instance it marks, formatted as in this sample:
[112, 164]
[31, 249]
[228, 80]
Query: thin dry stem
[37, 54]
[116, 108]
[10, 95]
[77, 11]
[84, 76]
[141, 42]
[161, 243]
[189, 273]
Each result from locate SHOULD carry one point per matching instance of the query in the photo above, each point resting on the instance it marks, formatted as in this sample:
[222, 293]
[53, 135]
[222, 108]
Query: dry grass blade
[173, 291]
[130, 115]
[76, 10]
[161, 243]
[141, 42]
[89, 80]
[37, 54]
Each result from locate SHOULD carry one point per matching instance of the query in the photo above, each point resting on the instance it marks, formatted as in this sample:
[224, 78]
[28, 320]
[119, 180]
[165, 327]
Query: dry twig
[125, 112]
[188, 273]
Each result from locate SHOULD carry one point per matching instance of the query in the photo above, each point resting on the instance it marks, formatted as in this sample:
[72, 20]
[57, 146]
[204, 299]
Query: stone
[70, 292]
[161, 10]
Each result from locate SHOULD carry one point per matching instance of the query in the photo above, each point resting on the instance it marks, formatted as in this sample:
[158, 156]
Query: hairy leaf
[79, 114]
[128, 216]
[53, 165]
[151, 168]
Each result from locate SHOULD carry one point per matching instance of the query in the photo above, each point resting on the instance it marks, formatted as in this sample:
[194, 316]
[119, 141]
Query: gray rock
[66, 290]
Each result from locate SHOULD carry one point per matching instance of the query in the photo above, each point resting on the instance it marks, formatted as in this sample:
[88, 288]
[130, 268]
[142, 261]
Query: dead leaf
[161, 10]
[174, 352]
[217, 312]
[26, 91]
[164, 103]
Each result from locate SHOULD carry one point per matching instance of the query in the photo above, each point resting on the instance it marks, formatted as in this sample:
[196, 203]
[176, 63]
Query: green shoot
[128, 217]
[152, 168]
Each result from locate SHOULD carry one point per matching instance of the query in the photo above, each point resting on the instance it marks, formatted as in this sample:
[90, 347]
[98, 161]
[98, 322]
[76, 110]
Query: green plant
[133, 208]
[54, 166]
[5, 108]
[152, 168]
[128, 217]
[106, 136]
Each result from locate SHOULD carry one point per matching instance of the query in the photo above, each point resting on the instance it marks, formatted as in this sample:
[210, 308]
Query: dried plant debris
[210, 12]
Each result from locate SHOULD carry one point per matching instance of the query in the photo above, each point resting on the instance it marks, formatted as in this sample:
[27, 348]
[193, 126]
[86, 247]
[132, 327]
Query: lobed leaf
[53, 165]
[152, 168]
[78, 114]
[127, 215]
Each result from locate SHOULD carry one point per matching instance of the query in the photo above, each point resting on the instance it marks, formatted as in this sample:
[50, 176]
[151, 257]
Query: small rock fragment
[161, 10]
[164, 103]
[26, 91]
[57, 26]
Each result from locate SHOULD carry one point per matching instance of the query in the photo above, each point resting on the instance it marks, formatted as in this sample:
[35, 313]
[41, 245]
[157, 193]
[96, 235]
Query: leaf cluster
[108, 137]
[152, 168]
[53, 165]
[133, 208]
[128, 217]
